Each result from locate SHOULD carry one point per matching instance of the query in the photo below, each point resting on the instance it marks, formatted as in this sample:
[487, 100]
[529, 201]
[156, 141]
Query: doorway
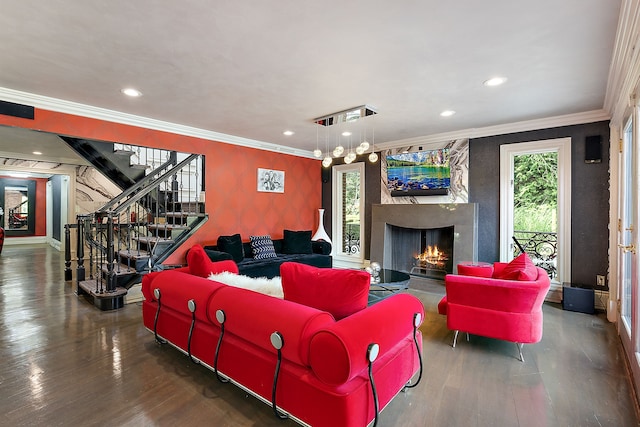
[348, 207]
[526, 169]
[17, 206]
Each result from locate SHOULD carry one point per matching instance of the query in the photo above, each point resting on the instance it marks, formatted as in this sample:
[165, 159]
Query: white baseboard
[9, 241]
[555, 293]
[339, 263]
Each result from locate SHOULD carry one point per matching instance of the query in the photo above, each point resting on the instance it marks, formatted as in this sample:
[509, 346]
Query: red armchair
[509, 310]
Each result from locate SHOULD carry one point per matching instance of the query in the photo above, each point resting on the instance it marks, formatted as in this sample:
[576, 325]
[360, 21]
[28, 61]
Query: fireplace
[423, 252]
[401, 235]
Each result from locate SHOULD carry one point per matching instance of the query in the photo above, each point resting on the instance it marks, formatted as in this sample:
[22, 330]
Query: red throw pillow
[521, 268]
[200, 264]
[337, 291]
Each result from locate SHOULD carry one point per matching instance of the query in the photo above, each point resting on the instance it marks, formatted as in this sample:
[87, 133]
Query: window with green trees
[535, 192]
[351, 212]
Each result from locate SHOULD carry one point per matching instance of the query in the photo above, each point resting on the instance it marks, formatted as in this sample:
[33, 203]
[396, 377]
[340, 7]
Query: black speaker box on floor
[577, 299]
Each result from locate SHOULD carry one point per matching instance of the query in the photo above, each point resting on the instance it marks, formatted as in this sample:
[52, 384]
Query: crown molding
[83, 110]
[624, 70]
[89, 111]
[523, 126]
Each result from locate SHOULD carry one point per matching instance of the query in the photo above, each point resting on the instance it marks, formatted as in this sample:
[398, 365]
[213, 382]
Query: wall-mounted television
[421, 173]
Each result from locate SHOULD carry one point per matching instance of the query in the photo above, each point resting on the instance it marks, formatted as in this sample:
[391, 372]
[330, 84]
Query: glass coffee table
[391, 282]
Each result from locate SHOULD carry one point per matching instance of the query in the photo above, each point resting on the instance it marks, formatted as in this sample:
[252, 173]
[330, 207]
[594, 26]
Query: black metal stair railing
[542, 248]
[136, 231]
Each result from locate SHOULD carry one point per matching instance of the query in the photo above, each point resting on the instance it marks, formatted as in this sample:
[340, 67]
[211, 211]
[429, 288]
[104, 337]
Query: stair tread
[134, 254]
[168, 226]
[120, 269]
[151, 239]
[183, 214]
[123, 152]
[89, 286]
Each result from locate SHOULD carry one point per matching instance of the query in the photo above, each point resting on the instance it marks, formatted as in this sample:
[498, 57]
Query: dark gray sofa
[270, 267]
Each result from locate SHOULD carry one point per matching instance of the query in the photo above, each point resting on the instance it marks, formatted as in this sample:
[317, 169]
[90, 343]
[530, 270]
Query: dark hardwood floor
[65, 363]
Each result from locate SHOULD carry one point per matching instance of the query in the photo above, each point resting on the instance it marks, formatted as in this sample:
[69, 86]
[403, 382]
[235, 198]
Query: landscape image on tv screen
[419, 173]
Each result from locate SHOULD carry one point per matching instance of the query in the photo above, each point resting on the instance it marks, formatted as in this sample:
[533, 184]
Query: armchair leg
[455, 339]
[519, 345]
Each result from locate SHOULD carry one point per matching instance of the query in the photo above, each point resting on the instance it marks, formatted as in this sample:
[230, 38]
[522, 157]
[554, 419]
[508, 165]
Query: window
[348, 218]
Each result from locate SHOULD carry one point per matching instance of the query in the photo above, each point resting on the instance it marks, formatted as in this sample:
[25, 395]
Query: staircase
[135, 232]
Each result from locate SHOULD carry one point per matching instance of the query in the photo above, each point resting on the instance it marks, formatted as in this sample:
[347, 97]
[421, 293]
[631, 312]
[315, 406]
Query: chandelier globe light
[348, 119]
[373, 157]
[317, 152]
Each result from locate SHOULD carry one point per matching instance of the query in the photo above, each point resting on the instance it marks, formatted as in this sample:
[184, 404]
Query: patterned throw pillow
[262, 247]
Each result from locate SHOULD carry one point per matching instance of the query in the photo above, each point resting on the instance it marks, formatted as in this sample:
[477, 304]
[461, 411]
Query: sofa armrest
[178, 287]
[321, 247]
[338, 351]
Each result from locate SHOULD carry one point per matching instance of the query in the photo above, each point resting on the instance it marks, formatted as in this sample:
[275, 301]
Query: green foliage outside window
[536, 192]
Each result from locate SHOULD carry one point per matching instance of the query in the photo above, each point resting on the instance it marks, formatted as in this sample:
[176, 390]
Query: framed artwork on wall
[270, 181]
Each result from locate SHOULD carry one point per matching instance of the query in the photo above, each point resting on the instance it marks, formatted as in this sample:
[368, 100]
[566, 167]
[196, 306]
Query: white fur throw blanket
[262, 285]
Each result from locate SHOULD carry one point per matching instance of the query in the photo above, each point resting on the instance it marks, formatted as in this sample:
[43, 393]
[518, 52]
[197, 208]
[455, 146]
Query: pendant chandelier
[345, 124]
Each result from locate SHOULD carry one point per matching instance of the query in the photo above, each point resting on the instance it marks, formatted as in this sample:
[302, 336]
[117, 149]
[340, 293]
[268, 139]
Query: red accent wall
[41, 206]
[232, 201]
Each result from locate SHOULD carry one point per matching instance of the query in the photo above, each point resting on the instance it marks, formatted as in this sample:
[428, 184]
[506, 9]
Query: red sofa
[323, 377]
[506, 309]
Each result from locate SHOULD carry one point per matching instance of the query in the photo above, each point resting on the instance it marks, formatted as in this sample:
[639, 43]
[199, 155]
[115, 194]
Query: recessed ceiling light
[495, 81]
[447, 113]
[129, 91]
[288, 132]
[346, 133]
[37, 153]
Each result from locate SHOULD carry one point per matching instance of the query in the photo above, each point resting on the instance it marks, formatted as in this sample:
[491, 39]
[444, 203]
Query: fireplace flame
[432, 256]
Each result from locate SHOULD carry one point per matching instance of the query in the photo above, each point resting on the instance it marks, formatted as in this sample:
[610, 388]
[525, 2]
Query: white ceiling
[255, 68]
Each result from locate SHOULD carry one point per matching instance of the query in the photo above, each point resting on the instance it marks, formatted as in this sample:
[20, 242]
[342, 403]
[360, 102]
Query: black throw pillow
[297, 242]
[216, 256]
[232, 245]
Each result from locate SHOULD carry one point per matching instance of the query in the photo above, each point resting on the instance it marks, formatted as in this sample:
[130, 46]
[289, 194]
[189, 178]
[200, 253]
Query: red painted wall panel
[41, 206]
[232, 201]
